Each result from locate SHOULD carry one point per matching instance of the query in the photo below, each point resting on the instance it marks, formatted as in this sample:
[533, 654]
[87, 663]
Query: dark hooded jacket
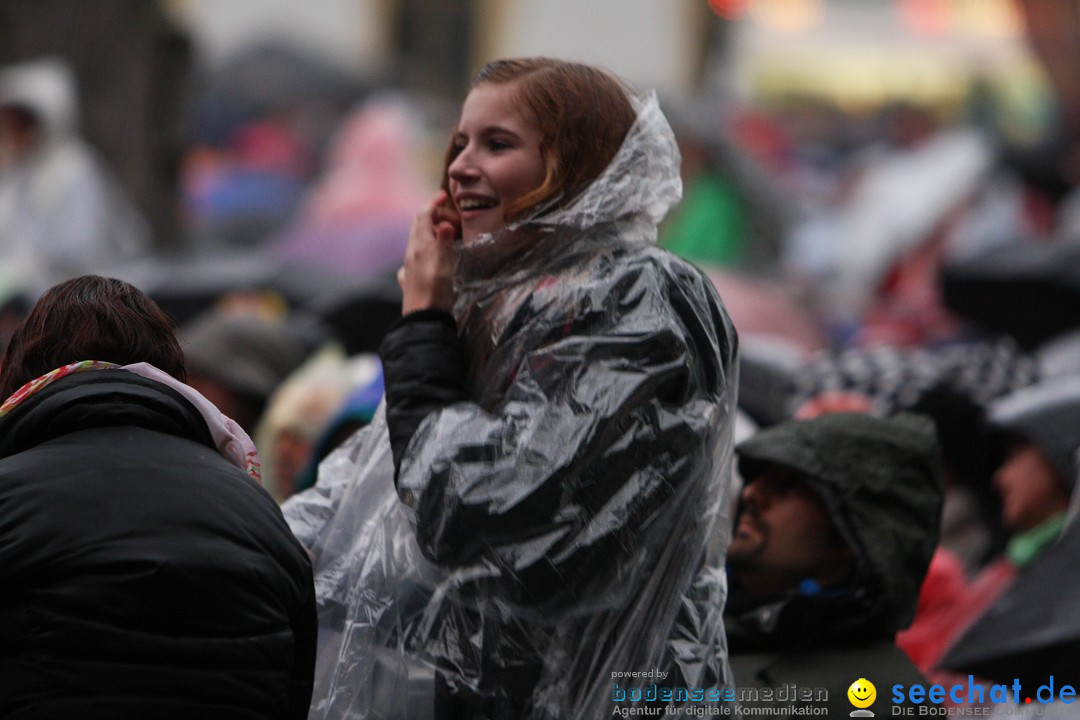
[880, 480]
[143, 574]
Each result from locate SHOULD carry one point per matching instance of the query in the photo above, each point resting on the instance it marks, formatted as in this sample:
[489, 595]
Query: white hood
[47, 88]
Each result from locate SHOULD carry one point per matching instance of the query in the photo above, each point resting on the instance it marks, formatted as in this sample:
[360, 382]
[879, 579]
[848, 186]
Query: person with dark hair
[93, 318]
[837, 524]
[557, 427]
[145, 571]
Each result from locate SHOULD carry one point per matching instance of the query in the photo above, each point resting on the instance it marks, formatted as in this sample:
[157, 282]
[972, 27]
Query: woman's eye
[499, 145]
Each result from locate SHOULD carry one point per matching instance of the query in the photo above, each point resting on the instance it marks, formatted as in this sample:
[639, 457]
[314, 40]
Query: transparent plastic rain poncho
[571, 521]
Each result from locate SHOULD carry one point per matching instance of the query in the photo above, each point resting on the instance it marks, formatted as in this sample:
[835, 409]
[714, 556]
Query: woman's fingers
[426, 277]
[444, 212]
[445, 233]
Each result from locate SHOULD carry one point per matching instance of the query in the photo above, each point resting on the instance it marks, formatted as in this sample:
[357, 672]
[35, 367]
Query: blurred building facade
[872, 52]
[435, 44]
[136, 84]
[854, 51]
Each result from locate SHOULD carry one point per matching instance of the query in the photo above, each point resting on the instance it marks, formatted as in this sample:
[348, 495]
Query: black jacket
[142, 574]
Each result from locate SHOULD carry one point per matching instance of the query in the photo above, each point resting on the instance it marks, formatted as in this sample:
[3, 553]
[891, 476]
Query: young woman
[145, 573]
[559, 398]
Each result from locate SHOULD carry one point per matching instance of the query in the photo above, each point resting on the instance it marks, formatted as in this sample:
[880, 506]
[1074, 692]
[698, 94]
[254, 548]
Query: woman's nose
[462, 167]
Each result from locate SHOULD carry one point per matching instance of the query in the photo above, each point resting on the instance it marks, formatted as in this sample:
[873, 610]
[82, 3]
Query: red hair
[583, 113]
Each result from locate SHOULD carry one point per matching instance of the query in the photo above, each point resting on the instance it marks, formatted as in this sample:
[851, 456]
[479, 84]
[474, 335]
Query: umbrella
[265, 78]
[767, 372]
[1033, 630]
[358, 310]
[185, 286]
[1031, 292]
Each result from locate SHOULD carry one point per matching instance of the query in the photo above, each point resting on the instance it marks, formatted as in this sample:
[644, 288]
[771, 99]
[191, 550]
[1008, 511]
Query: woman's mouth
[475, 204]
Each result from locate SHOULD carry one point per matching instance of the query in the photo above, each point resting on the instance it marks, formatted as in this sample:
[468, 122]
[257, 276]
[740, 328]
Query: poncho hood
[635, 192]
[620, 210]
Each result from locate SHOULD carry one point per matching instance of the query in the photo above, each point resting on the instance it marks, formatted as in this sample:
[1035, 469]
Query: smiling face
[862, 693]
[497, 158]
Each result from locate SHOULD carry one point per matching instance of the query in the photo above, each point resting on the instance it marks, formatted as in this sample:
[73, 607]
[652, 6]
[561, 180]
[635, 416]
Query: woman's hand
[426, 278]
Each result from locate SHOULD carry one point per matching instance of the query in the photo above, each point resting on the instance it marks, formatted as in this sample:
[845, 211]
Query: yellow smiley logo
[862, 693]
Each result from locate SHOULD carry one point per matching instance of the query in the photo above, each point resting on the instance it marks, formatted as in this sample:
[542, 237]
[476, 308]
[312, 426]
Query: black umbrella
[1029, 291]
[1033, 631]
[266, 78]
[186, 285]
[357, 310]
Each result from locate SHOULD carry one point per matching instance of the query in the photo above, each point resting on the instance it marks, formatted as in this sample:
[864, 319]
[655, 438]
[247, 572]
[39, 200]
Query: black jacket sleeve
[425, 369]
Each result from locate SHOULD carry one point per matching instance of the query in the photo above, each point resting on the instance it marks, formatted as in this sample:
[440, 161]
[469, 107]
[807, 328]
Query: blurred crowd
[896, 260]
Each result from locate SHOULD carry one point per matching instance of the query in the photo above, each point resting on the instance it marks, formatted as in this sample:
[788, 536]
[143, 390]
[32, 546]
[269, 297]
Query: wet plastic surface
[570, 522]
